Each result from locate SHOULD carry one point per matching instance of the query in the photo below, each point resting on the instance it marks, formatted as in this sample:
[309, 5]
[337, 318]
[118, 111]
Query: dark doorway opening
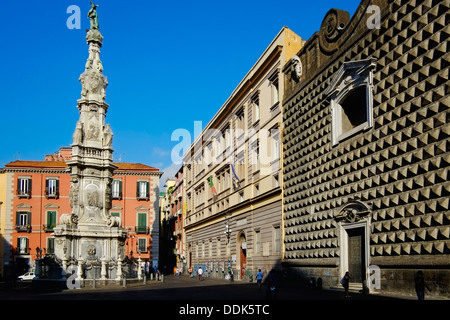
[356, 254]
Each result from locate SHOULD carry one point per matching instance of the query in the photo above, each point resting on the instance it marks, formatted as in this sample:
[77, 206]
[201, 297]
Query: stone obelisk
[89, 238]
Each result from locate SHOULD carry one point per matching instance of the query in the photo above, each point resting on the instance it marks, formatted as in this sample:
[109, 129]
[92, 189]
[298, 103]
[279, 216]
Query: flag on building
[234, 174]
[213, 189]
[236, 181]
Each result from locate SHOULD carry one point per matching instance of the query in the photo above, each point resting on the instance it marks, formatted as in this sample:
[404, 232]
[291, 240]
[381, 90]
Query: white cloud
[160, 152]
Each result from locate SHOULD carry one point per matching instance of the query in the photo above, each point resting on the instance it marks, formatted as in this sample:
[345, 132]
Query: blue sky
[168, 63]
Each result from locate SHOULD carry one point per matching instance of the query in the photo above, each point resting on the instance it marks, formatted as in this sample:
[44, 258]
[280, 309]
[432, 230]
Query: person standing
[345, 281]
[200, 273]
[420, 285]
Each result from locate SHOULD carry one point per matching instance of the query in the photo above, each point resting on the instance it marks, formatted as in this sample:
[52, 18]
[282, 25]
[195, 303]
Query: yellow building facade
[2, 221]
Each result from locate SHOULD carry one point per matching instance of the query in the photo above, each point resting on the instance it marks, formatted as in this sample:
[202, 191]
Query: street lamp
[227, 230]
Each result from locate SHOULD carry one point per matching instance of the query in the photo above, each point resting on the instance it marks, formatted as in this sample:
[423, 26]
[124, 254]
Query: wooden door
[356, 266]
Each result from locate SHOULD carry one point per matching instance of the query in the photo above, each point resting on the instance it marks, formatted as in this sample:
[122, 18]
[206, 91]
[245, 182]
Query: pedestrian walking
[345, 282]
[420, 285]
[271, 292]
[259, 277]
[200, 273]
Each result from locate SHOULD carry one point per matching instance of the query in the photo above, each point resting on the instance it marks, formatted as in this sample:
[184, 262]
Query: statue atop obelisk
[89, 237]
[93, 15]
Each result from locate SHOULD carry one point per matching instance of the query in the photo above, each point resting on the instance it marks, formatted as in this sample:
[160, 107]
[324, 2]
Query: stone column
[80, 269]
[119, 271]
[139, 268]
[103, 272]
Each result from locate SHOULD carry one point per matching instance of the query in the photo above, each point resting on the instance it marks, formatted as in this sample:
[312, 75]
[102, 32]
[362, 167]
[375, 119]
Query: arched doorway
[242, 254]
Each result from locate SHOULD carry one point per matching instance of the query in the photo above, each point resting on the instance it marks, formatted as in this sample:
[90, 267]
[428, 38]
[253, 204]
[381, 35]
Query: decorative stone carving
[297, 68]
[93, 85]
[107, 136]
[353, 212]
[332, 26]
[114, 222]
[68, 219]
[73, 192]
[91, 251]
[78, 134]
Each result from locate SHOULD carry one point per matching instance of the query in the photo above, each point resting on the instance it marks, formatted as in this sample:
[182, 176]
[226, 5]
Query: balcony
[24, 194]
[23, 228]
[48, 228]
[142, 230]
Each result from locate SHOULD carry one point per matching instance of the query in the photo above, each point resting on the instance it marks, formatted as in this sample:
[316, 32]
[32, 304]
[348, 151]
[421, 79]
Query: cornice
[34, 170]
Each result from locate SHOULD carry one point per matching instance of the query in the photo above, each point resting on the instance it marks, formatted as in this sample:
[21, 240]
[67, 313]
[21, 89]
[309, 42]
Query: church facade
[366, 149]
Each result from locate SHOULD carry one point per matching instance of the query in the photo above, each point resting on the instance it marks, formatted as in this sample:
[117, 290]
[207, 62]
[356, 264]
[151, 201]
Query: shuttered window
[52, 188]
[51, 245]
[142, 190]
[51, 220]
[24, 187]
[116, 189]
[142, 245]
[142, 223]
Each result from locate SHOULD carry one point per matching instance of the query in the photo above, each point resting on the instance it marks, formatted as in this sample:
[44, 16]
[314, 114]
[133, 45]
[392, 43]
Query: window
[210, 248]
[141, 223]
[277, 239]
[276, 181]
[240, 167]
[241, 196]
[52, 188]
[142, 245]
[274, 88]
[24, 187]
[257, 241]
[219, 253]
[240, 121]
[51, 220]
[22, 245]
[115, 214]
[350, 113]
[116, 189]
[225, 140]
[255, 104]
[351, 96]
[255, 156]
[142, 190]
[275, 143]
[23, 221]
[50, 245]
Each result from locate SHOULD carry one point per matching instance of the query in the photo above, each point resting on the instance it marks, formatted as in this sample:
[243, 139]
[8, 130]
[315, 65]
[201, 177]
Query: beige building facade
[232, 174]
